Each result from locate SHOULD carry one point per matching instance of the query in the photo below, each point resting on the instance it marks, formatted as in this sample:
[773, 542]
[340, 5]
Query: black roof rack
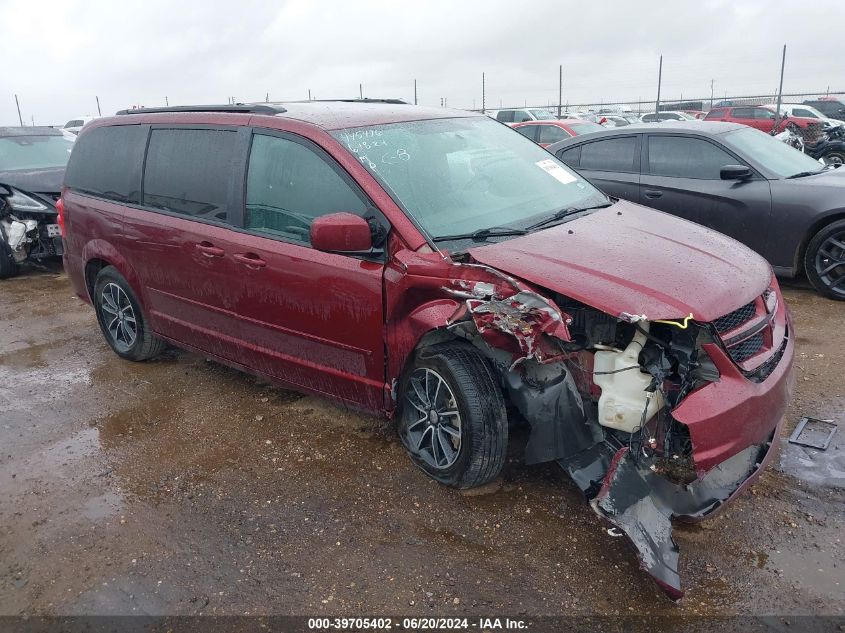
[355, 100]
[236, 108]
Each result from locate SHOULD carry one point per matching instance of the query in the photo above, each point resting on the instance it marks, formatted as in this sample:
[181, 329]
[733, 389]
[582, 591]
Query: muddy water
[181, 486]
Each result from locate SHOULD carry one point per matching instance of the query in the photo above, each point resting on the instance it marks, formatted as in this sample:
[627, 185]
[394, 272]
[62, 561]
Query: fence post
[659, 81]
[17, 103]
[780, 91]
[559, 90]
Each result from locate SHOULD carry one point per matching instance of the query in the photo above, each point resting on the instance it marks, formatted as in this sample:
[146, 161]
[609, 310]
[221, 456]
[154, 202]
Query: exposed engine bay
[599, 392]
[28, 229]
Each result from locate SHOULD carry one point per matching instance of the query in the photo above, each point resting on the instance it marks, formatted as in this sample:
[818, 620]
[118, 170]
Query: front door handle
[210, 250]
[249, 259]
[651, 194]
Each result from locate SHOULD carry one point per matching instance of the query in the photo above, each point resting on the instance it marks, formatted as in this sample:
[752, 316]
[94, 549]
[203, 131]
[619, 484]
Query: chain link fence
[699, 104]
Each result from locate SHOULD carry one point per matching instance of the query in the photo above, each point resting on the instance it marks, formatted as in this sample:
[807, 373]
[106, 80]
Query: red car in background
[761, 117]
[544, 133]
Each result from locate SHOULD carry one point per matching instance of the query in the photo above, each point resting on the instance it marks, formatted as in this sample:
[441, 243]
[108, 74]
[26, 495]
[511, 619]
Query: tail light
[60, 208]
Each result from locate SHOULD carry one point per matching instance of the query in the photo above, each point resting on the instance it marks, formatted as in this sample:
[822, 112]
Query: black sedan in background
[731, 178]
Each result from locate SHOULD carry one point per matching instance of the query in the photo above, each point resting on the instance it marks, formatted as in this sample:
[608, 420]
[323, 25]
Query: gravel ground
[179, 486]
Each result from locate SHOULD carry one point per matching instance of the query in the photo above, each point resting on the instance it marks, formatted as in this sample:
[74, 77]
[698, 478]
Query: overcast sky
[57, 56]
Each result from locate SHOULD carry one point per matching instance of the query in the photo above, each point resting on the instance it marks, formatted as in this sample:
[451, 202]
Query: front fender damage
[544, 354]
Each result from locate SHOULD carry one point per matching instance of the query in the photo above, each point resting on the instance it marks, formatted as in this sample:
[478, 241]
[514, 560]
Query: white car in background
[521, 115]
[807, 112]
[74, 125]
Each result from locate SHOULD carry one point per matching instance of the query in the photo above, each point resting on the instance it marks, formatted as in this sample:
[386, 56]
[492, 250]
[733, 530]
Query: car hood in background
[35, 180]
[627, 258]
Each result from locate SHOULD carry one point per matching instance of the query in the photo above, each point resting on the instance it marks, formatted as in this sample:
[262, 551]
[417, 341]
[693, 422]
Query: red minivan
[436, 267]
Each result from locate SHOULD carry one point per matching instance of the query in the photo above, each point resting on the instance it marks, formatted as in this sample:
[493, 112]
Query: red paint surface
[627, 258]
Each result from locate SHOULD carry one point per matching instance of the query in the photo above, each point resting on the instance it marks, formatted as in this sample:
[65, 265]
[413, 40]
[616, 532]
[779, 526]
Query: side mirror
[735, 172]
[341, 233]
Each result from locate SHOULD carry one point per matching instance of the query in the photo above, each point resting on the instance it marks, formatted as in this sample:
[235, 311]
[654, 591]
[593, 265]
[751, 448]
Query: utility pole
[659, 82]
[361, 90]
[98, 105]
[780, 90]
[559, 90]
[266, 97]
[166, 102]
[415, 92]
[309, 94]
[483, 93]
[17, 103]
[712, 82]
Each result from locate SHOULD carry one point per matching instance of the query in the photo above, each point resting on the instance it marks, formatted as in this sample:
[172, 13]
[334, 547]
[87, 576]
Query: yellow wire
[683, 325]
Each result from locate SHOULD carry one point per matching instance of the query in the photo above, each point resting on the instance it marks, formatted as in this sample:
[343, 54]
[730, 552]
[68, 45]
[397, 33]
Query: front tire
[8, 265]
[452, 416]
[824, 261]
[121, 319]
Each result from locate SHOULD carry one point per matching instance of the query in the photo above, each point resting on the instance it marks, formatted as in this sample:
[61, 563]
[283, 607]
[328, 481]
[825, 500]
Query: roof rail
[235, 108]
[355, 100]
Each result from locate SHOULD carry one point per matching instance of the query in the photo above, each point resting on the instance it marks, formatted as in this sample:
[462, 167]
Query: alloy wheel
[830, 262]
[433, 422]
[118, 317]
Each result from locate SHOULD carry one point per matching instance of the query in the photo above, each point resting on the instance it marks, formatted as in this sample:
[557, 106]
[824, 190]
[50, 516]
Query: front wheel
[824, 261]
[835, 158]
[452, 416]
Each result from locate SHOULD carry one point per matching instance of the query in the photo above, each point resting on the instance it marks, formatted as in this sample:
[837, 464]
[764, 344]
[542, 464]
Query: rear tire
[452, 416]
[824, 261]
[8, 265]
[121, 318]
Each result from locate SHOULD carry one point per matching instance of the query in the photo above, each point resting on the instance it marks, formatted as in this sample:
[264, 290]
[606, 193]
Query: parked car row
[733, 179]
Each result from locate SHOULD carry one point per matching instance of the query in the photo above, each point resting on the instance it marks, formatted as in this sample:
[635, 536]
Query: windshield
[774, 155]
[542, 114]
[456, 176]
[33, 152]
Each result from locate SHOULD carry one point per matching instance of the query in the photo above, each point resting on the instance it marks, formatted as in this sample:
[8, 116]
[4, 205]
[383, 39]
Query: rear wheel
[824, 260]
[121, 319]
[8, 265]
[452, 416]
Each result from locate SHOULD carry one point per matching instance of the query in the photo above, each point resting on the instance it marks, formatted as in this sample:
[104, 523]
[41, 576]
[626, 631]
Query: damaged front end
[28, 227]
[653, 418]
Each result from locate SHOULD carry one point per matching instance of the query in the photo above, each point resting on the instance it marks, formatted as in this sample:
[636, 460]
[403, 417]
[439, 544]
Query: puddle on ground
[821, 468]
[103, 507]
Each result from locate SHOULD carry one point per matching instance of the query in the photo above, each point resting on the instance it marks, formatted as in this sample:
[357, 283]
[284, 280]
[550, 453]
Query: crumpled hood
[628, 258]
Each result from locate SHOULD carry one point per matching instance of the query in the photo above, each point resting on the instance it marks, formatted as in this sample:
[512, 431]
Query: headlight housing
[21, 202]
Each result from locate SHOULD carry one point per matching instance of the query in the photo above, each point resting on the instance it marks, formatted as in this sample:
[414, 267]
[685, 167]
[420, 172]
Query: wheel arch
[821, 222]
[424, 325]
[96, 255]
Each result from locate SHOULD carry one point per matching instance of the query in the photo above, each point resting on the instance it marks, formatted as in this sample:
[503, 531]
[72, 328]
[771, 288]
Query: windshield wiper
[802, 174]
[481, 234]
[559, 215]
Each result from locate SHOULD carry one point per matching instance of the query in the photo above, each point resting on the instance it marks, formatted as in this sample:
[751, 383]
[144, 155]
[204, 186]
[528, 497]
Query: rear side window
[520, 116]
[614, 154]
[552, 133]
[106, 162]
[189, 172]
[528, 131]
[505, 116]
[288, 185]
[743, 113]
[718, 112]
[684, 157]
[804, 112]
[74, 123]
[763, 113]
[571, 156]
